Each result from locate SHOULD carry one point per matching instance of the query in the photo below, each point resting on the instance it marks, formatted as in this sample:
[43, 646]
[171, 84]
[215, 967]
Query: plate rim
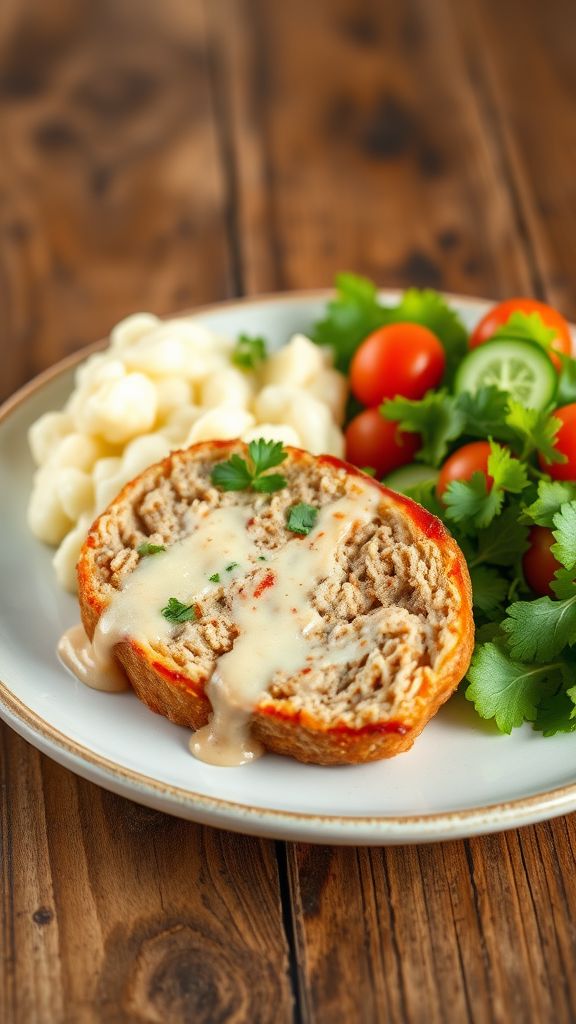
[271, 822]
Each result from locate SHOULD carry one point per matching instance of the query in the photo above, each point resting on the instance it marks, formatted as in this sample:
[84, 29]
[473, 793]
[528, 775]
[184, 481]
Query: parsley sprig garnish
[249, 353]
[302, 518]
[177, 612]
[238, 474]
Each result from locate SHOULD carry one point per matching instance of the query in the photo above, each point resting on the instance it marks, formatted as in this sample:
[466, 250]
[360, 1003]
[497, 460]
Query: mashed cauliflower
[160, 385]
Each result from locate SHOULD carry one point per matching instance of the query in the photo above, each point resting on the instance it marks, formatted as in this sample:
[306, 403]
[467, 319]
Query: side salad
[481, 430]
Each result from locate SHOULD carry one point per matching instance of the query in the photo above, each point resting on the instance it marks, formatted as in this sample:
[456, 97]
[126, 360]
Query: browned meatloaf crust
[401, 577]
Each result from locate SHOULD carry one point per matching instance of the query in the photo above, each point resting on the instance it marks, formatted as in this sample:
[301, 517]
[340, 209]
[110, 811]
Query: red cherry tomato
[539, 563]
[461, 465]
[401, 359]
[500, 314]
[565, 443]
[373, 441]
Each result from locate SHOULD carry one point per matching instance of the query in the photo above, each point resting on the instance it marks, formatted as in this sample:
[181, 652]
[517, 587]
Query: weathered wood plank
[113, 191]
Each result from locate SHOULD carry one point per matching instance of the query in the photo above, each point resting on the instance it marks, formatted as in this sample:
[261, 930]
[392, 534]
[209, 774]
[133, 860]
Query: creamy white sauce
[271, 607]
[79, 655]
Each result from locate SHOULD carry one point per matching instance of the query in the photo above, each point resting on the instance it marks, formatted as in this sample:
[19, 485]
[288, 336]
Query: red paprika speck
[267, 581]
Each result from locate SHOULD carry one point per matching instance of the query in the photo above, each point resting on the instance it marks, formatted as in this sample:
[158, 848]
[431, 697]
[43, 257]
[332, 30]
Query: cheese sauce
[271, 607]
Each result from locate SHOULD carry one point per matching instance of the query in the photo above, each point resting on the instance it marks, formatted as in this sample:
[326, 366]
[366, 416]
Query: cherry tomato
[401, 359]
[469, 459]
[373, 441]
[539, 563]
[500, 314]
[565, 443]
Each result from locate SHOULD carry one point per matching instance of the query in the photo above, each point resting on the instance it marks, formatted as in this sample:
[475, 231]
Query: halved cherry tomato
[539, 563]
[500, 314]
[565, 443]
[401, 359]
[471, 458]
[373, 441]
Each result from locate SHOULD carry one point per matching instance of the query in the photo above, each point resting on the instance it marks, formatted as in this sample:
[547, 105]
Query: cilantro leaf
[564, 550]
[231, 566]
[504, 541]
[489, 589]
[508, 473]
[236, 475]
[302, 518]
[539, 630]
[350, 318]
[269, 483]
[551, 496]
[471, 503]
[505, 689]
[177, 612]
[266, 454]
[436, 417]
[536, 430]
[526, 327]
[564, 583]
[149, 549]
[566, 380]
[556, 714]
[485, 412]
[215, 577]
[232, 475]
[430, 309]
[249, 352]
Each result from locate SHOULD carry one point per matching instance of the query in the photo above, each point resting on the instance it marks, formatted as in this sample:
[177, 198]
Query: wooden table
[159, 155]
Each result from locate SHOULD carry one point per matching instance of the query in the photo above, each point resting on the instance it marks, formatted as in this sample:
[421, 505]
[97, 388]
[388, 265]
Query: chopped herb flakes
[302, 518]
[177, 612]
[149, 549]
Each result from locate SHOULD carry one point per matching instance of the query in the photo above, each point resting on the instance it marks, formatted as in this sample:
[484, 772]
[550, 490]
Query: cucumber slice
[521, 368]
[409, 476]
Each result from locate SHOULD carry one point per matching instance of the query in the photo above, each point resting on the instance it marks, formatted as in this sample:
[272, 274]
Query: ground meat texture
[400, 584]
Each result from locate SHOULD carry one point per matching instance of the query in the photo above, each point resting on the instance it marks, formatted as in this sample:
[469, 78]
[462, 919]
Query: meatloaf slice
[398, 581]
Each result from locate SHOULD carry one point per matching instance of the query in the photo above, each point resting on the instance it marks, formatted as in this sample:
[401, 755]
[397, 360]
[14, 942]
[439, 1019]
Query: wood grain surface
[158, 155]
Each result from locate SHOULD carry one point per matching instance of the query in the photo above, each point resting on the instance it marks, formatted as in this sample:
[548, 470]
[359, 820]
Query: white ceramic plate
[461, 778]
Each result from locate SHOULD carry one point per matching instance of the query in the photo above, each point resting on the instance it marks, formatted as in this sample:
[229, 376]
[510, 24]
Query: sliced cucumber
[520, 368]
[409, 476]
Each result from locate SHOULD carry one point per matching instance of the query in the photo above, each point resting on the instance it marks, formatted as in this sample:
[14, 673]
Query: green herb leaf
[237, 475]
[269, 483]
[233, 565]
[233, 475]
[508, 473]
[249, 353]
[266, 454]
[556, 713]
[504, 541]
[539, 630]
[564, 550]
[149, 549]
[537, 430]
[485, 413]
[302, 518]
[177, 612]
[489, 589]
[471, 503]
[507, 690]
[526, 327]
[425, 495]
[436, 417]
[215, 577]
[566, 380]
[564, 583]
[551, 496]
[350, 318]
